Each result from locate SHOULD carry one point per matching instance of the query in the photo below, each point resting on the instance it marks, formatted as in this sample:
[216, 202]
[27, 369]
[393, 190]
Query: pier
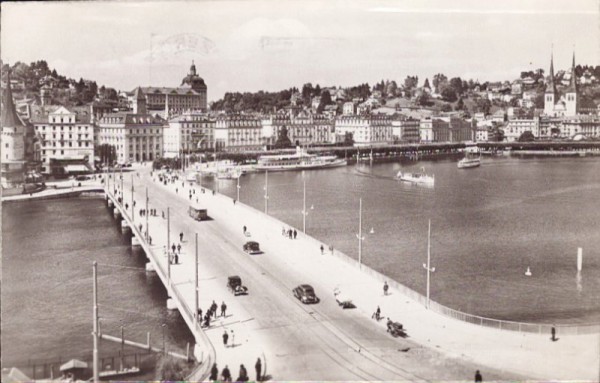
[269, 323]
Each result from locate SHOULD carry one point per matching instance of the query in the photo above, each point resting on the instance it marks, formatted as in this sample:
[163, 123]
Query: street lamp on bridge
[428, 265]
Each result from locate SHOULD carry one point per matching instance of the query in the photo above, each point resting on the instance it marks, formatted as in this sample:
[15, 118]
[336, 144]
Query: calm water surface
[48, 248]
[488, 225]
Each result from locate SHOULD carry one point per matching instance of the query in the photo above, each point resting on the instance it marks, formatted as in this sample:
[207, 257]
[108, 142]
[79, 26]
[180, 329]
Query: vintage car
[396, 329]
[234, 283]
[252, 247]
[306, 294]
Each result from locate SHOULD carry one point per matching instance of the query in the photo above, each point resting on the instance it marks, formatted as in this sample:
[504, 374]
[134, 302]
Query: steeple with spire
[10, 119]
[571, 92]
[551, 94]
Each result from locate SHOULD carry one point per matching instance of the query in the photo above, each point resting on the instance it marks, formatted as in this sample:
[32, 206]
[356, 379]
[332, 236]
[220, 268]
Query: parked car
[252, 247]
[306, 294]
[234, 283]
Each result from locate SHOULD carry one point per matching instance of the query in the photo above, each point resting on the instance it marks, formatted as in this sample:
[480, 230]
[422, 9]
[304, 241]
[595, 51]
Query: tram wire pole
[95, 324]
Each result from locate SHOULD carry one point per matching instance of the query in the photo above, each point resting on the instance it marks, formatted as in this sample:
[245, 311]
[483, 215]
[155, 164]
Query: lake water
[488, 225]
[48, 248]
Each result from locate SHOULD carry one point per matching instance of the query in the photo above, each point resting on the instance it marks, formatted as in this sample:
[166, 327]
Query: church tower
[139, 101]
[550, 95]
[571, 93]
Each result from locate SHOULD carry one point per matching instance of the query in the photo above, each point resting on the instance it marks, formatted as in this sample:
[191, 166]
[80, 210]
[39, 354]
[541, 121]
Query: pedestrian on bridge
[243, 376]
[258, 367]
[176, 258]
[225, 338]
[214, 372]
[199, 314]
[223, 308]
[295, 233]
[173, 248]
[181, 237]
[322, 250]
[478, 377]
[385, 288]
[213, 309]
[179, 248]
[226, 375]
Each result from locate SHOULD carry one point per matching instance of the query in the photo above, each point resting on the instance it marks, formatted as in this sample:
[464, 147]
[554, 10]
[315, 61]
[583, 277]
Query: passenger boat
[416, 178]
[229, 174]
[298, 161]
[470, 161]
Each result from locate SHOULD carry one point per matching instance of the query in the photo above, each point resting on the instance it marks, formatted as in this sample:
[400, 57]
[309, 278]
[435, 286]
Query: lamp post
[304, 212]
[266, 192]
[428, 265]
[238, 186]
[163, 338]
[359, 235]
[146, 212]
[196, 289]
[95, 330]
[168, 249]
[132, 200]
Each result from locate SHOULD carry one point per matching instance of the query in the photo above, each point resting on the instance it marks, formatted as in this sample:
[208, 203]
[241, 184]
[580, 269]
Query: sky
[272, 45]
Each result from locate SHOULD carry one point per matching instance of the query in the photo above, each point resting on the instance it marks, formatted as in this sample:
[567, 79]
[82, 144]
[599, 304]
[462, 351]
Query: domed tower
[193, 69]
[571, 92]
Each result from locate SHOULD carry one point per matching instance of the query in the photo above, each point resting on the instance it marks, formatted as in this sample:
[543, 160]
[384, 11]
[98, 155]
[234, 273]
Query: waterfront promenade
[438, 347]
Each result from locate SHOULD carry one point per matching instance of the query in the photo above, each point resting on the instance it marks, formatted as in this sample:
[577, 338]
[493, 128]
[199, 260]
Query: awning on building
[76, 168]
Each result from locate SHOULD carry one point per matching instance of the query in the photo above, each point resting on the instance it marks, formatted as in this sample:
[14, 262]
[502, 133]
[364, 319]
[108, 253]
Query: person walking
[176, 259]
[322, 250]
[258, 368]
[226, 375]
[295, 233]
[385, 288]
[245, 229]
[223, 308]
[243, 376]
[478, 377]
[225, 338]
[214, 373]
[173, 247]
[179, 248]
[199, 314]
[213, 308]
[553, 332]
[181, 237]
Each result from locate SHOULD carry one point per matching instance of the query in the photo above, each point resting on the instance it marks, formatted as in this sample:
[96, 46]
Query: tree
[424, 99]
[438, 80]
[325, 100]
[411, 82]
[457, 84]
[527, 136]
[446, 108]
[448, 94]
[348, 139]
[391, 89]
[283, 141]
[426, 84]
[484, 105]
[460, 105]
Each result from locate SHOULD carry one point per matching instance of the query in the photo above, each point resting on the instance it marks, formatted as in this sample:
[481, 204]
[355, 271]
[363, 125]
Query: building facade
[190, 131]
[565, 104]
[365, 130]
[238, 134]
[172, 101]
[135, 136]
[67, 141]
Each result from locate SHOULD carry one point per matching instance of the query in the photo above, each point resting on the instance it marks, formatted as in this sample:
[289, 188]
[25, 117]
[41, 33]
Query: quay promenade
[336, 343]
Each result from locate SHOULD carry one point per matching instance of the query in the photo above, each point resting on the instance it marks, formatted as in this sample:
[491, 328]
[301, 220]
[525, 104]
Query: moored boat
[298, 161]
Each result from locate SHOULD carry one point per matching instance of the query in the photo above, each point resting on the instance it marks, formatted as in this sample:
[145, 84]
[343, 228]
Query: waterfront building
[405, 129]
[482, 134]
[565, 104]
[365, 130]
[67, 140]
[426, 130]
[189, 131]
[170, 101]
[453, 129]
[136, 136]
[302, 130]
[238, 133]
[516, 127]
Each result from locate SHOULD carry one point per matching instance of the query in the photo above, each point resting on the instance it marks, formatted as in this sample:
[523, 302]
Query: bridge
[322, 341]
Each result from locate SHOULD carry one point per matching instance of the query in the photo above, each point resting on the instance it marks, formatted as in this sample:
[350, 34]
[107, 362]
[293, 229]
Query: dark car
[234, 283]
[252, 247]
[306, 294]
